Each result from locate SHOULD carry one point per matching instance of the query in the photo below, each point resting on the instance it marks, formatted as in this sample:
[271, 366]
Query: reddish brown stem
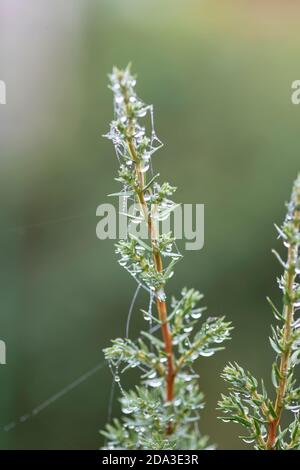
[284, 361]
[153, 233]
[167, 337]
[161, 304]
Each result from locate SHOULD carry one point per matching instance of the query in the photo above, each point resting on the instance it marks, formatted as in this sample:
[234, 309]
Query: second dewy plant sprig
[248, 402]
[162, 412]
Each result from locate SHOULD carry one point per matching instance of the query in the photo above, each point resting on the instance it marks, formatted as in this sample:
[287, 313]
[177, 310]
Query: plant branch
[289, 309]
[161, 304]
[152, 416]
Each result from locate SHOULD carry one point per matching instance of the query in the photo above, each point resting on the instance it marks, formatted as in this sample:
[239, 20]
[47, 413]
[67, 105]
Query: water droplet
[161, 295]
[294, 408]
[154, 383]
[119, 99]
[219, 340]
[142, 112]
[117, 378]
[139, 134]
[188, 329]
[188, 378]
[207, 353]
[163, 360]
[144, 168]
[152, 375]
[196, 315]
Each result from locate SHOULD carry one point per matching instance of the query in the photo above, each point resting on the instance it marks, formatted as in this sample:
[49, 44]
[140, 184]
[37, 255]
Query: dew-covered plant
[248, 403]
[162, 412]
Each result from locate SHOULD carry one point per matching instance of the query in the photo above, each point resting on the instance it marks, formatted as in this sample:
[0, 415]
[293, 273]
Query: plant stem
[161, 304]
[289, 317]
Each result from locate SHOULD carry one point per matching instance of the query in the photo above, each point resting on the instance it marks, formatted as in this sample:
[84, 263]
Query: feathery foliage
[248, 403]
[163, 411]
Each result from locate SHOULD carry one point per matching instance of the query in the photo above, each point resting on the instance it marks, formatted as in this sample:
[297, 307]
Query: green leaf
[275, 311]
[272, 411]
[275, 346]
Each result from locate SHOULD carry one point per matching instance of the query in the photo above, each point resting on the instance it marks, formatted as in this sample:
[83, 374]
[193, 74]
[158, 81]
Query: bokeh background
[219, 74]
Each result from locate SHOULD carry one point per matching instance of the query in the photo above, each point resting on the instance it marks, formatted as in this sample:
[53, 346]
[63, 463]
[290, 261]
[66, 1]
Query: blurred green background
[219, 74]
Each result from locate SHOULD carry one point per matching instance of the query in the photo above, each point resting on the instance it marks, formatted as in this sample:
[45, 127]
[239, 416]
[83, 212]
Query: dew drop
[219, 340]
[247, 441]
[196, 315]
[116, 87]
[152, 375]
[139, 134]
[142, 112]
[188, 378]
[207, 353]
[188, 329]
[119, 99]
[145, 168]
[294, 408]
[154, 383]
